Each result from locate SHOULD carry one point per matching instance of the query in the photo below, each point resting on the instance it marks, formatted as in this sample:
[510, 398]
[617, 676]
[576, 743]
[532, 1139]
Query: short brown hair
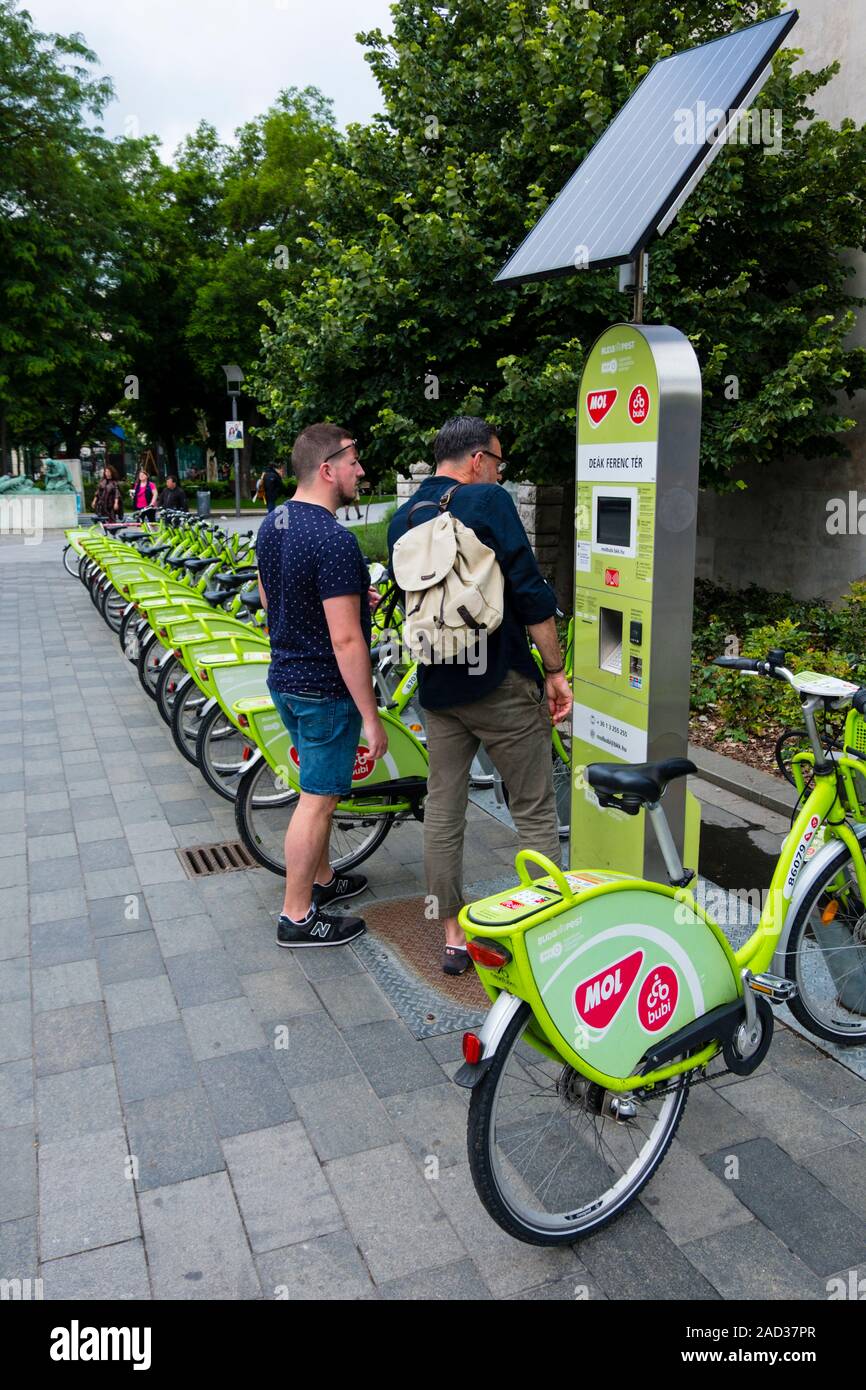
[312, 447]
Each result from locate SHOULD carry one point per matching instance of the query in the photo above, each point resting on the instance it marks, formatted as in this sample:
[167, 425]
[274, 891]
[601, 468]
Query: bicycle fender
[490, 1036]
[805, 882]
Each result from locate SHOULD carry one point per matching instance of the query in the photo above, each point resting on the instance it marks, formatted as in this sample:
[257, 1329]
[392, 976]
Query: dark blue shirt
[305, 556]
[529, 599]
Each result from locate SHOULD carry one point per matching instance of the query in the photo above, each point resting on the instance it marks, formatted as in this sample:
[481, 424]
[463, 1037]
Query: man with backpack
[478, 681]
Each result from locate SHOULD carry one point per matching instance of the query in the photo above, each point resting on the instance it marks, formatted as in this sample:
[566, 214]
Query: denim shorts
[324, 730]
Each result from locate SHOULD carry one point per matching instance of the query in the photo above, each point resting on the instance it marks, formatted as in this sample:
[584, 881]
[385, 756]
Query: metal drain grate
[202, 860]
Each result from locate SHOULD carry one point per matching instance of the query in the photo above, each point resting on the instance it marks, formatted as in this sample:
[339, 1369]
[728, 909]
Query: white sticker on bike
[800, 857]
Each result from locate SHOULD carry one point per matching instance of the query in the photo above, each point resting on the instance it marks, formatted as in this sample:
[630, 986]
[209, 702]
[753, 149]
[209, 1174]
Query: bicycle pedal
[774, 987]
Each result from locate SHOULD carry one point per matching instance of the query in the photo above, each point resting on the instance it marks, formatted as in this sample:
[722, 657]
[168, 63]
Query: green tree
[487, 111]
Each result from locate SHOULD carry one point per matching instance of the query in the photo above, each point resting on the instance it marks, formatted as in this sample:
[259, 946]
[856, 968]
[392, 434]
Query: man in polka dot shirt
[316, 588]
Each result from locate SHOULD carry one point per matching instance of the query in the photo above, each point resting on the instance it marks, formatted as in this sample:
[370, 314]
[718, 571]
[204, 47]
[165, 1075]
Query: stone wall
[540, 508]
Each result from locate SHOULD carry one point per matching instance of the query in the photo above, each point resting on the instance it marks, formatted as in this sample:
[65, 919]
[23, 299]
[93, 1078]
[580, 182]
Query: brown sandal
[455, 960]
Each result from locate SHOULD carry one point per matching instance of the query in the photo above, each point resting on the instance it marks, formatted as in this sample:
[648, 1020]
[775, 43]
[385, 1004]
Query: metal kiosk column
[638, 435]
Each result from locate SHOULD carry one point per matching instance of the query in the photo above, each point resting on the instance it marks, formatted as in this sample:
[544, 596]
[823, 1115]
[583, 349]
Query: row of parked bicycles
[182, 596]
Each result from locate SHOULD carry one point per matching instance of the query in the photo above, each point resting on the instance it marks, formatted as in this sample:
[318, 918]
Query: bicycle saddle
[196, 564]
[251, 601]
[147, 550]
[233, 576]
[635, 782]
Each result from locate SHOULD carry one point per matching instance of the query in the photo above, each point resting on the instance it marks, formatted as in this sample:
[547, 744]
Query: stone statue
[419, 471]
[58, 478]
[16, 485]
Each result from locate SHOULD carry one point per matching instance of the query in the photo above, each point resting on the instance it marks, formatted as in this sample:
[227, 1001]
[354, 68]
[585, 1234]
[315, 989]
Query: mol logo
[599, 998]
[599, 404]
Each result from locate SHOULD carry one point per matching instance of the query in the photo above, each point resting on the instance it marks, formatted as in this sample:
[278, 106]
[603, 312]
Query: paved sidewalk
[188, 1112]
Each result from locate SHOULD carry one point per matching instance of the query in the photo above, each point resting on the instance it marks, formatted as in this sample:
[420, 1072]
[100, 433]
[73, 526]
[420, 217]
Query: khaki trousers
[513, 724]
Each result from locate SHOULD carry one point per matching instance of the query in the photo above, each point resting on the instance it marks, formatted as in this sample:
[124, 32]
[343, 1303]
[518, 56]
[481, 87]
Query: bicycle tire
[128, 620]
[572, 1097]
[171, 674]
[265, 847]
[815, 969]
[111, 606]
[222, 773]
[184, 729]
[150, 654]
[71, 560]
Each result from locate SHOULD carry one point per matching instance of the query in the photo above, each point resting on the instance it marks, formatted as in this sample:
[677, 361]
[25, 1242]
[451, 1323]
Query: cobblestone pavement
[137, 1018]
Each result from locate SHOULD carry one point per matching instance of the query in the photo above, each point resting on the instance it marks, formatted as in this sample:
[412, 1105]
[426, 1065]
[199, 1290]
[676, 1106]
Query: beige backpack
[452, 582]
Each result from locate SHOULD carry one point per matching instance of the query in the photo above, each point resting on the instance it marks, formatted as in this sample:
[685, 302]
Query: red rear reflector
[203, 675]
[488, 953]
[177, 655]
[471, 1048]
[244, 723]
[247, 753]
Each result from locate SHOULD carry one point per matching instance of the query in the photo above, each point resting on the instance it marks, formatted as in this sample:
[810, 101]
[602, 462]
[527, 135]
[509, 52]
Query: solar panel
[640, 171]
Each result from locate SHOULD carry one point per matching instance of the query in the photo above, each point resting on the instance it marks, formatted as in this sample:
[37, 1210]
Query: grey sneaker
[319, 929]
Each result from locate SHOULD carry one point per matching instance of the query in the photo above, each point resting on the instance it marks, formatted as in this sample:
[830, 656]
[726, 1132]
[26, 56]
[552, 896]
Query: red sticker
[658, 998]
[293, 754]
[599, 999]
[639, 405]
[599, 404]
[364, 763]
[611, 579]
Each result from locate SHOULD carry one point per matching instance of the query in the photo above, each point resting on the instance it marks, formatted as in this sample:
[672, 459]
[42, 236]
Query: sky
[176, 62]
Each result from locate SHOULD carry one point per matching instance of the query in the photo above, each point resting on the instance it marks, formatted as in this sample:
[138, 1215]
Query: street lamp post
[234, 377]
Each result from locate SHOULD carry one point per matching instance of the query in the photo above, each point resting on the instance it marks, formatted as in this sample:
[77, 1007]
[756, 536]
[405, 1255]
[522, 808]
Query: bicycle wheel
[149, 664]
[264, 807]
[789, 743]
[112, 606]
[222, 752]
[71, 561]
[127, 633]
[185, 716]
[550, 1159]
[170, 677]
[826, 956]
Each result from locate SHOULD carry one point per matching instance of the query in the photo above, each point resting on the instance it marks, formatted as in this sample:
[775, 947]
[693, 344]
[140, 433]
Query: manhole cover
[203, 860]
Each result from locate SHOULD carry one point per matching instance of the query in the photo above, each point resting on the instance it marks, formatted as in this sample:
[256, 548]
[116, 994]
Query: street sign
[234, 434]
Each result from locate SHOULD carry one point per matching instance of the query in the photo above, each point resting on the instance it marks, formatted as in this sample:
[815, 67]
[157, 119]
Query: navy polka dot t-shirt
[305, 556]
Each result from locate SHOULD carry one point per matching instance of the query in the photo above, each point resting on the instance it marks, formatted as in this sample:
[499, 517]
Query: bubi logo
[658, 998]
[639, 405]
[599, 999]
[599, 404]
[364, 763]
[611, 579]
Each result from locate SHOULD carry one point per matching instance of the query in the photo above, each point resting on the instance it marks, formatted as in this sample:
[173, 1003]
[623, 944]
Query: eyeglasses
[352, 444]
[501, 463]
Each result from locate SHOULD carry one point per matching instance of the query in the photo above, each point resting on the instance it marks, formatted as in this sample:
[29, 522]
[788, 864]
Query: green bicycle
[611, 995]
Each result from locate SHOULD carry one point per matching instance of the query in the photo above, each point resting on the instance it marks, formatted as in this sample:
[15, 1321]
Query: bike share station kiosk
[633, 974]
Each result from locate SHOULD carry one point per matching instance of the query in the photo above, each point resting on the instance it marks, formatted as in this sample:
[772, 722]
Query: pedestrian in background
[144, 495]
[173, 496]
[107, 501]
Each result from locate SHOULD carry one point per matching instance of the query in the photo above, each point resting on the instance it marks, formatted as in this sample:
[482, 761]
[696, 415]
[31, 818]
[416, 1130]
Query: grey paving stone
[246, 1092]
[392, 1213]
[689, 1202]
[172, 900]
[15, 1031]
[136, 1003]
[146, 808]
[343, 1116]
[14, 979]
[173, 1138]
[145, 836]
[843, 1171]
[18, 1249]
[51, 875]
[853, 1116]
[131, 791]
[57, 943]
[749, 1262]
[95, 856]
[822, 1079]
[195, 1242]
[179, 936]
[17, 1173]
[391, 1059]
[505, 1265]
[308, 1049]
[233, 917]
[785, 1113]
[58, 906]
[278, 1212]
[132, 957]
[47, 823]
[72, 1103]
[14, 936]
[459, 1281]
[13, 871]
[61, 986]
[115, 1272]
[447, 1047]
[153, 1061]
[85, 1198]
[93, 808]
[14, 843]
[327, 1269]
[217, 1029]
[184, 812]
[799, 1209]
[354, 999]
[633, 1258]
[16, 1093]
[45, 801]
[110, 883]
[119, 916]
[203, 977]
[280, 993]
[68, 1039]
[254, 949]
[98, 830]
[578, 1289]
[432, 1121]
[709, 1121]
